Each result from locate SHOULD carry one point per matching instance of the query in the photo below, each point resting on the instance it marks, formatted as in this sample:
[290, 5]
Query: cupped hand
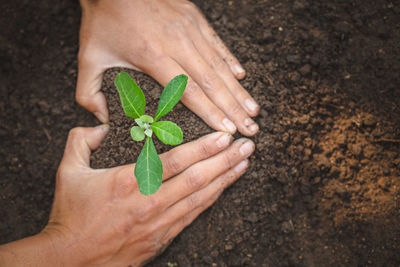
[99, 217]
[163, 39]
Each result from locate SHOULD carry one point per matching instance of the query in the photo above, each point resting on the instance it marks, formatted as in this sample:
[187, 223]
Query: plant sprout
[149, 169]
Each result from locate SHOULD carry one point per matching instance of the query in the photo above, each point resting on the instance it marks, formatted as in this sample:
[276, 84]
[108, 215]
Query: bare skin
[100, 218]
[163, 38]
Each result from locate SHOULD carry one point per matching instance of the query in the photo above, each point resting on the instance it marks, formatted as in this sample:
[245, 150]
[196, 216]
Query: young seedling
[149, 169]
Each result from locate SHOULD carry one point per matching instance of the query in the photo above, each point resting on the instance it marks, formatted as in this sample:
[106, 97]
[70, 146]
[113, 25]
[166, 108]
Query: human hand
[163, 39]
[99, 217]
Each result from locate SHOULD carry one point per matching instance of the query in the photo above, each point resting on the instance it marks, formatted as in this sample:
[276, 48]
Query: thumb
[80, 142]
[88, 94]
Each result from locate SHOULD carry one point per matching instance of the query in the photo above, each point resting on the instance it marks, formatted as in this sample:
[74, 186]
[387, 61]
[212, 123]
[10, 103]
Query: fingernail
[238, 69]
[251, 105]
[104, 127]
[248, 122]
[241, 166]
[251, 125]
[229, 125]
[246, 148]
[224, 140]
[253, 128]
[101, 116]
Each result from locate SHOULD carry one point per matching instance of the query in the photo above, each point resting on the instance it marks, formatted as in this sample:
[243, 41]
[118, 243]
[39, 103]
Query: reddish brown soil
[323, 188]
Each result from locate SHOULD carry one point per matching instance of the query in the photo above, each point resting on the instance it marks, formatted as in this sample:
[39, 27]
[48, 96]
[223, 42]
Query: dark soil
[323, 188]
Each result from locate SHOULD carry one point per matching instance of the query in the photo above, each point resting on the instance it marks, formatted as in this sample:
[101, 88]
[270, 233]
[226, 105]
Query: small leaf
[168, 132]
[139, 122]
[171, 95]
[132, 97]
[148, 169]
[146, 118]
[137, 133]
[148, 132]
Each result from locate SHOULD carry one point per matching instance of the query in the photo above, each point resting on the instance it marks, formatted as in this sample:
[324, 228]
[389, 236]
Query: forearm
[37, 250]
[85, 4]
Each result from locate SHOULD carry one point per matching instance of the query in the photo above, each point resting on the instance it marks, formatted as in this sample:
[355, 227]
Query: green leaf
[137, 133]
[148, 132]
[148, 169]
[168, 132]
[146, 119]
[171, 95]
[132, 97]
[139, 122]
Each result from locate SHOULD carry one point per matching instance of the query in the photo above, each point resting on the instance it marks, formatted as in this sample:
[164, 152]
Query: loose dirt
[323, 188]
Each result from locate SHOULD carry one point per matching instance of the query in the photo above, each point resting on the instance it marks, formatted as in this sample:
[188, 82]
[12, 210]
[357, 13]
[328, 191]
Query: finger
[80, 142]
[222, 69]
[183, 156]
[213, 38]
[215, 88]
[88, 93]
[193, 97]
[180, 158]
[204, 172]
[186, 211]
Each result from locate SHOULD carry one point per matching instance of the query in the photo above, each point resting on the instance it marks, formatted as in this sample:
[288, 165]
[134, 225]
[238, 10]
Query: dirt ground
[323, 188]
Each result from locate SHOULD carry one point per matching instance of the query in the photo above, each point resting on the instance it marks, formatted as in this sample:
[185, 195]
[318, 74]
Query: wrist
[85, 4]
[37, 250]
[88, 4]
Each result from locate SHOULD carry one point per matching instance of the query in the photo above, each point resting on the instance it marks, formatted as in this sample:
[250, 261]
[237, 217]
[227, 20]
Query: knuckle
[81, 98]
[228, 160]
[76, 133]
[216, 62]
[173, 164]
[125, 185]
[125, 189]
[192, 201]
[155, 51]
[204, 149]
[235, 108]
[215, 115]
[191, 90]
[149, 50]
[152, 204]
[194, 179]
[210, 80]
[149, 209]
[87, 57]
[189, 6]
